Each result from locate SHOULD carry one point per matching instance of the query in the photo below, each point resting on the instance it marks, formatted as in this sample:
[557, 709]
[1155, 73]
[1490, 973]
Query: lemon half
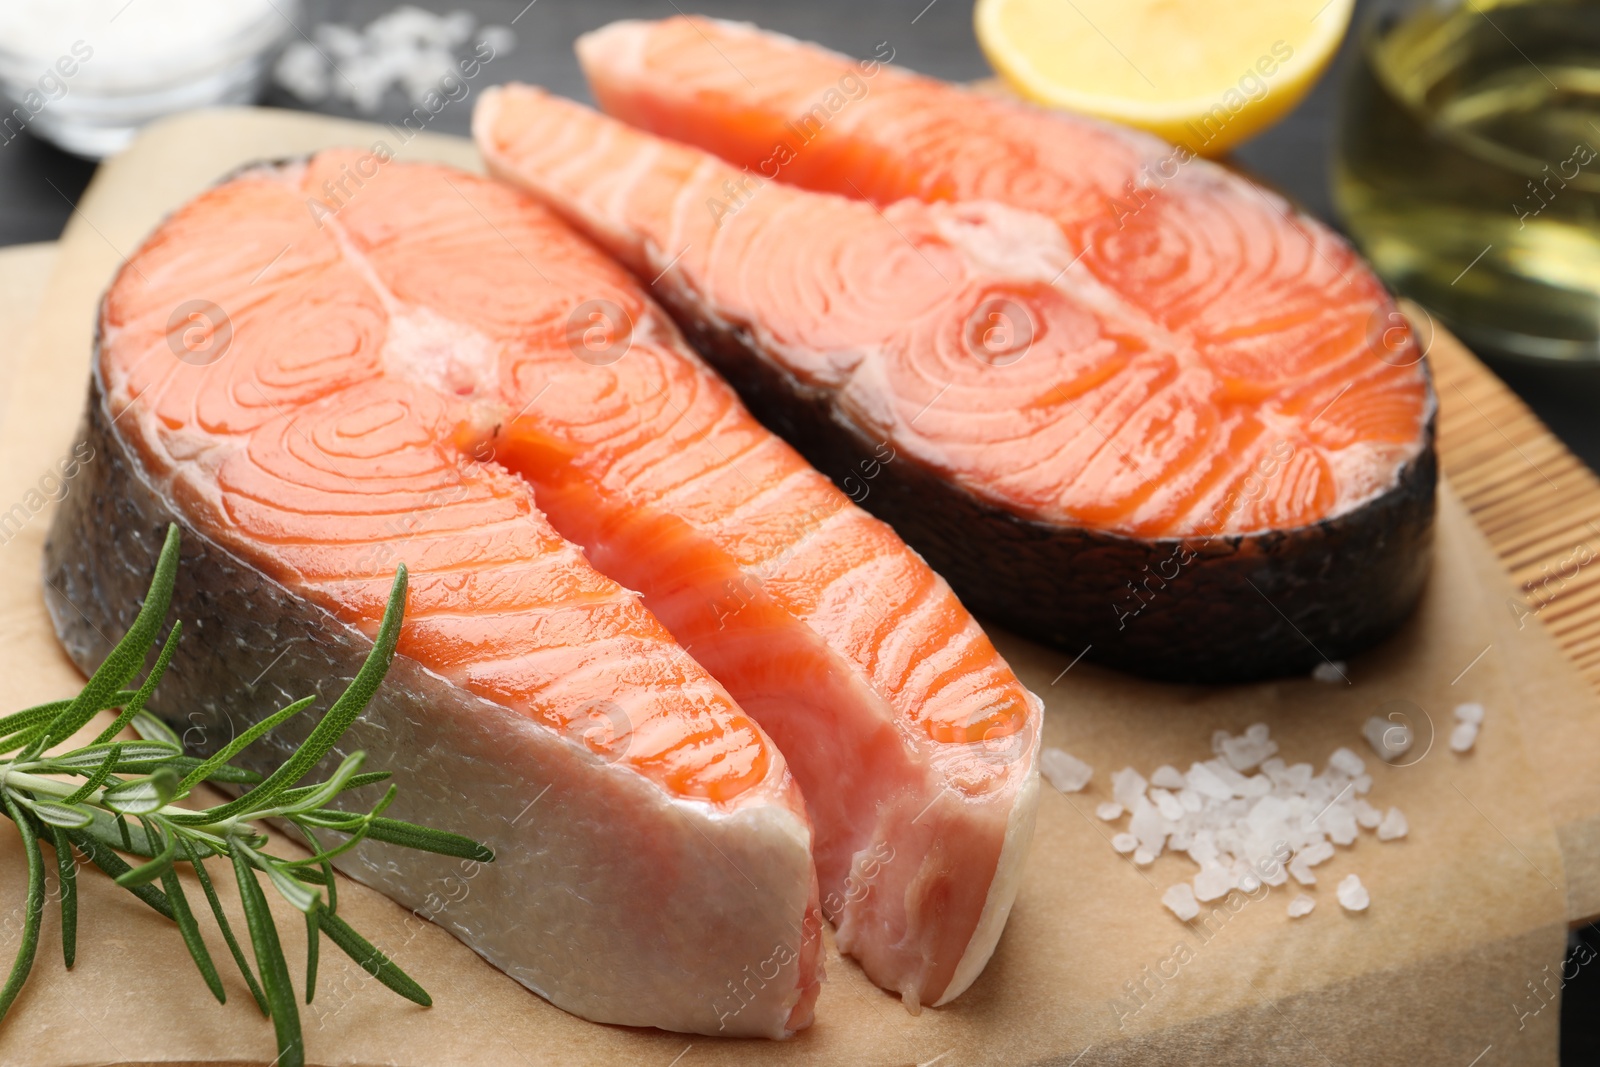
[1200, 73]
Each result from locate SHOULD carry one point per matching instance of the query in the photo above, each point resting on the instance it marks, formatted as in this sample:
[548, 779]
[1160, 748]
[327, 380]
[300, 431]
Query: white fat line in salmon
[1153, 177]
[1251, 490]
[783, 953]
[337, 192]
[804, 129]
[50, 87]
[53, 484]
[1144, 988]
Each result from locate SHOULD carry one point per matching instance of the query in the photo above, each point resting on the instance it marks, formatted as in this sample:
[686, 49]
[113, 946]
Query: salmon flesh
[691, 695]
[1122, 385]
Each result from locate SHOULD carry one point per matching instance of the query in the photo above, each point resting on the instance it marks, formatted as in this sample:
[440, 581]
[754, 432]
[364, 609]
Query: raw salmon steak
[289, 380]
[1139, 404]
[546, 367]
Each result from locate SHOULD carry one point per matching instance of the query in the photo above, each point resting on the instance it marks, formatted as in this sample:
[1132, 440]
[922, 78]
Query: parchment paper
[1467, 911]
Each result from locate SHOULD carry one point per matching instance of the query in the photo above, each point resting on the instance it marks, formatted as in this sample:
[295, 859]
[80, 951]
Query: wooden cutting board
[1467, 910]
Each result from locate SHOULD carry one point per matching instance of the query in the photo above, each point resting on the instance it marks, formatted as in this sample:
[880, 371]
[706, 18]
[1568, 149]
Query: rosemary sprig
[130, 802]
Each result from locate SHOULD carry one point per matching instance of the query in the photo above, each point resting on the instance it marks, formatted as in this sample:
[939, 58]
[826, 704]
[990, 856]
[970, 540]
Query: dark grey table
[39, 184]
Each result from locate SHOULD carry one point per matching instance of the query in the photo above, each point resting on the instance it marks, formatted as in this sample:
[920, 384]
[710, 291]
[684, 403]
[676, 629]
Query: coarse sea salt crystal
[1340, 824]
[1180, 898]
[1389, 739]
[1109, 811]
[1346, 762]
[1301, 905]
[1212, 883]
[1065, 771]
[1463, 737]
[1472, 713]
[1205, 782]
[1393, 825]
[1329, 672]
[1168, 777]
[1316, 852]
[1247, 751]
[1247, 818]
[1127, 786]
[1167, 804]
[1147, 825]
[1257, 785]
[1353, 896]
[406, 47]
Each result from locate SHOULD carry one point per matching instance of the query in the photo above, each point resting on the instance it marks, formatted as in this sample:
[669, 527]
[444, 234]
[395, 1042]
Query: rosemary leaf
[427, 839]
[205, 770]
[33, 909]
[134, 706]
[313, 941]
[221, 916]
[191, 933]
[141, 796]
[69, 815]
[288, 887]
[13, 727]
[101, 856]
[95, 816]
[320, 794]
[127, 657]
[67, 871]
[98, 778]
[152, 728]
[295, 798]
[340, 716]
[154, 868]
[269, 958]
[322, 858]
[128, 753]
[371, 960]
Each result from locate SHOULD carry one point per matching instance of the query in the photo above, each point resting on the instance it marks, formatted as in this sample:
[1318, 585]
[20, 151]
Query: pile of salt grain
[408, 46]
[1239, 827]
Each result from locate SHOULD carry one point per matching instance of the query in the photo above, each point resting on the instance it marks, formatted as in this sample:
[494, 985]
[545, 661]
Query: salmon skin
[471, 333]
[1138, 405]
[309, 439]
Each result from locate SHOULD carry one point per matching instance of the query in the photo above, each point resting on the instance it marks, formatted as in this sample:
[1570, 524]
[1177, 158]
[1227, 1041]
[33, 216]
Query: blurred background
[1413, 206]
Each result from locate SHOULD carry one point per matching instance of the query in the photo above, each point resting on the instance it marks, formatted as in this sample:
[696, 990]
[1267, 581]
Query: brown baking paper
[1467, 911]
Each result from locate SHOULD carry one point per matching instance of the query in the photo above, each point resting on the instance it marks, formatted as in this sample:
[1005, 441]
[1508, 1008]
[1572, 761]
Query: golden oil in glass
[1468, 168]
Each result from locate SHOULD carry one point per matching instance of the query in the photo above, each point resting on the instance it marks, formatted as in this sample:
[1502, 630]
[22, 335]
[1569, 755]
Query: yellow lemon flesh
[1200, 73]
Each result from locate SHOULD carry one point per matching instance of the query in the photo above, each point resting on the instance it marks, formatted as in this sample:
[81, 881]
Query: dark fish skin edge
[1325, 591]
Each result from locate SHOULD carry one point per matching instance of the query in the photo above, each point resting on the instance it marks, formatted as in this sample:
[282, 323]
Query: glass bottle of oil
[1468, 167]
